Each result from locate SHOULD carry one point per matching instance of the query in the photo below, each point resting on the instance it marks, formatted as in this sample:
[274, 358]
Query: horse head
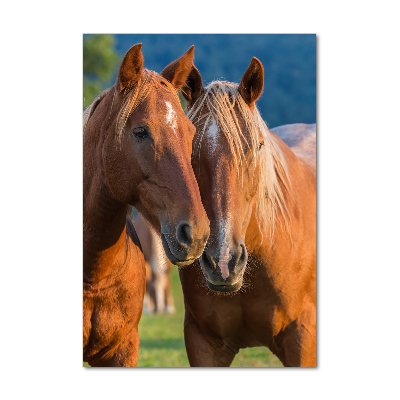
[229, 162]
[144, 141]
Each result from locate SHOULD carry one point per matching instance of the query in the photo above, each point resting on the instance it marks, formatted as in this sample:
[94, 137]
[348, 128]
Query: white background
[358, 202]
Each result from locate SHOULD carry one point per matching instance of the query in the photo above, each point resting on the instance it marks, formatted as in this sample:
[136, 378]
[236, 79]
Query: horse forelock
[149, 80]
[216, 107]
[132, 98]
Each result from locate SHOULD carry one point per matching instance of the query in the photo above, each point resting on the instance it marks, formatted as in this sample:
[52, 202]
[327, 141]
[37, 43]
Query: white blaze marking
[212, 133]
[171, 116]
[172, 122]
[224, 256]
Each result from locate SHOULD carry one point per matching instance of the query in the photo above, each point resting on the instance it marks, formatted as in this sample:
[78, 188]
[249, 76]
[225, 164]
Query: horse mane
[220, 98]
[90, 109]
[133, 97]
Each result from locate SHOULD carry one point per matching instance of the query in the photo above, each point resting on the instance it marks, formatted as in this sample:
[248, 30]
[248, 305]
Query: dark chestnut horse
[255, 284]
[137, 145]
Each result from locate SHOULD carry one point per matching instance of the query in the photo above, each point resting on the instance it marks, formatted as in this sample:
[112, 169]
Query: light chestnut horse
[255, 284]
[137, 145]
[158, 297]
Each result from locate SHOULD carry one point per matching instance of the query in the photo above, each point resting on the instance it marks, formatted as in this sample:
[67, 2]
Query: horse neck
[104, 220]
[289, 239]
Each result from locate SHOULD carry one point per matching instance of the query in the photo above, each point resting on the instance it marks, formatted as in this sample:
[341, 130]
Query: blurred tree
[99, 62]
[182, 100]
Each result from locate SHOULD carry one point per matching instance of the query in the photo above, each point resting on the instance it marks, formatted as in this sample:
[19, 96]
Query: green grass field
[162, 343]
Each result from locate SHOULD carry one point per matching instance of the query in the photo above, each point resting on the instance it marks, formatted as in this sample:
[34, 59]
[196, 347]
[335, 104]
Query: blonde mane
[133, 97]
[220, 98]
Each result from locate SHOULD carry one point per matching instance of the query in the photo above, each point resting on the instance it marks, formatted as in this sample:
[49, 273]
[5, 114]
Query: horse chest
[106, 316]
[112, 311]
[235, 320]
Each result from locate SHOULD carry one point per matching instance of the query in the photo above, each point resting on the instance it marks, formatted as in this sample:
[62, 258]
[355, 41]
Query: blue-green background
[289, 63]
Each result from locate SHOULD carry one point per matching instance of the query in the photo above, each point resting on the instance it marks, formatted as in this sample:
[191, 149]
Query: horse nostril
[183, 235]
[207, 261]
[243, 256]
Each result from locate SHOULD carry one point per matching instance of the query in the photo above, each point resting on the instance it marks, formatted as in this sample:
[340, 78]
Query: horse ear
[131, 67]
[252, 82]
[193, 88]
[177, 72]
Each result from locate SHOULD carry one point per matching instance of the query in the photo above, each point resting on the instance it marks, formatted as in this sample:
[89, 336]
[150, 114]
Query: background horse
[136, 151]
[255, 284]
[158, 297]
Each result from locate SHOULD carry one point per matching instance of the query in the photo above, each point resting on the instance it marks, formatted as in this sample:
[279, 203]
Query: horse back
[301, 139]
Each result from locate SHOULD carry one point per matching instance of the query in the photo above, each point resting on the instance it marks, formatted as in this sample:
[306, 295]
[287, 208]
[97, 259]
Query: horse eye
[140, 132]
[260, 145]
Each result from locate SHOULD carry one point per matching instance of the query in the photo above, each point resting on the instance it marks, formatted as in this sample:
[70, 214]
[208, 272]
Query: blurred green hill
[289, 62]
[100, 59]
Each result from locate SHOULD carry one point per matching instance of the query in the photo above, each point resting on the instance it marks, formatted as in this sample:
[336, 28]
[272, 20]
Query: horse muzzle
[224, 273]
[185, 245]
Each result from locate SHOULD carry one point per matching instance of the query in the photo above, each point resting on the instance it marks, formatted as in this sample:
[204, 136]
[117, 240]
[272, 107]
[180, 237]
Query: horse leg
[146, 303]
[149, 295]
[169, 307]
[126, 354]
[160, 292]
[149, 299]
[203, 350]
